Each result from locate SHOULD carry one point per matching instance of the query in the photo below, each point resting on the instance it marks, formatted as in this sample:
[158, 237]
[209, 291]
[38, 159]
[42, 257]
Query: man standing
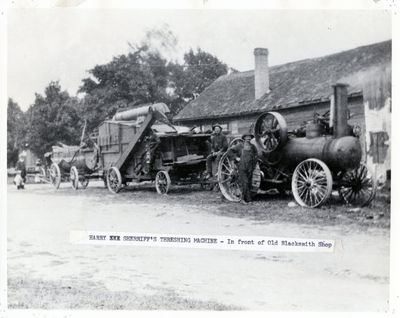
[219, 144]
[246, 154]
[21, 168]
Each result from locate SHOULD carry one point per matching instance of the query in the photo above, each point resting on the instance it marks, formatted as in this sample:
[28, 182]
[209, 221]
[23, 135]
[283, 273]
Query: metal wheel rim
[358, 186]
[114, 180]
[163, 182]
[74, 178]
[228, 179]
[311, 183]
[55, 175]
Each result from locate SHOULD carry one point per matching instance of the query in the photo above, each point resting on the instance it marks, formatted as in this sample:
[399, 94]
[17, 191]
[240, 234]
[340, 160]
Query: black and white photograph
[197, 159]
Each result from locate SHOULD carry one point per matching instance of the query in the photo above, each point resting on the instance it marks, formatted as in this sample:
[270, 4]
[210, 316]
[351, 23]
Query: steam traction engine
[324, 155]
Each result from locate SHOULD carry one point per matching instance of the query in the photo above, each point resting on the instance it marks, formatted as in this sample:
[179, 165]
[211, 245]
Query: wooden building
[299, 89]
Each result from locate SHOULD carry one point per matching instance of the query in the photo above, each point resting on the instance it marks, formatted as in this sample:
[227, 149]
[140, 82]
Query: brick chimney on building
[261, 72]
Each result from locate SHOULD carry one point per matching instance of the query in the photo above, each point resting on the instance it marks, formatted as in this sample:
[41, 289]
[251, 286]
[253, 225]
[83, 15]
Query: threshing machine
[141, 145]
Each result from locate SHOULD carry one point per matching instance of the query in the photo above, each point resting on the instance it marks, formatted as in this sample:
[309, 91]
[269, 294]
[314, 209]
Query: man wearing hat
[246, 154]
[219, 144]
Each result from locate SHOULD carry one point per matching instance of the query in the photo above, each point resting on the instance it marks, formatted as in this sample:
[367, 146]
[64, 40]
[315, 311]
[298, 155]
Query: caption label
[253, 243]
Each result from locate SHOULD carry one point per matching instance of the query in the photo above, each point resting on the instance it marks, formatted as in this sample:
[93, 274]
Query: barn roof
[292, 84]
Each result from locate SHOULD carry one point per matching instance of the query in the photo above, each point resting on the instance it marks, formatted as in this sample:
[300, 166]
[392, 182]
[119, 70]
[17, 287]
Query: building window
[234, 127]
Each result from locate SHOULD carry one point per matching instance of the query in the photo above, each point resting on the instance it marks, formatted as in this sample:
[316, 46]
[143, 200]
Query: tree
[53, 118]
[137, 78]
[144, 76]
[200, 69]
[16, 124]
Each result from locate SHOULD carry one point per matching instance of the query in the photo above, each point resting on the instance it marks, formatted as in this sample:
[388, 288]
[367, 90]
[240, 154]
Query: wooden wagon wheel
[163, 182]
[270, 131]
[42, 174]
[74, 177]
[312, 183]
[358, 186]
[114, 180]
[55, 175]
[84, 182]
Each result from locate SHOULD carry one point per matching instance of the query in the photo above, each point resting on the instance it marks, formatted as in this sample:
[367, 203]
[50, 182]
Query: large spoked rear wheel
[74, 177]
[228, 179]
[55, 175]
[114, 180]
[163, 182]
[311, 183]
[358, 186]
[229, 182]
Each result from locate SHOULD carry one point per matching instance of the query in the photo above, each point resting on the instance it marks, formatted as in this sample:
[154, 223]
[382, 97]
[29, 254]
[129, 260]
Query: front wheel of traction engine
[312, 183]
[114, 180]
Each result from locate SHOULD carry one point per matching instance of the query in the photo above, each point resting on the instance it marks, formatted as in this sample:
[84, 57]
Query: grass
[24, 293]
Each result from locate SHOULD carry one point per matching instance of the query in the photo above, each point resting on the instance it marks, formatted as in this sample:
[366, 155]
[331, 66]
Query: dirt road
[46, 271]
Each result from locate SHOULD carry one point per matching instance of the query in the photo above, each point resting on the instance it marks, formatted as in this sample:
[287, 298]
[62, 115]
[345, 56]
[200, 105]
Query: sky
[63, 44]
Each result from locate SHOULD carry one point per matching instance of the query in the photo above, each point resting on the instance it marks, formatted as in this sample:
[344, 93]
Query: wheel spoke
[357, 186]
[302, 174]
[311, 183]
[226, 180]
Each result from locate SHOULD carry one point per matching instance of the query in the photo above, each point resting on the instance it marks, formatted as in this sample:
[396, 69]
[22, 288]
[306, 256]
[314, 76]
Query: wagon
[322, 156]
[75, 164]
[141, 145]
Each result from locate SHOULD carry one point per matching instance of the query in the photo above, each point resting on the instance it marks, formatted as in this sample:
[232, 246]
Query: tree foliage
[145, 76]
[137, 78]
[53, 118]
[199, 71]
[16, 130]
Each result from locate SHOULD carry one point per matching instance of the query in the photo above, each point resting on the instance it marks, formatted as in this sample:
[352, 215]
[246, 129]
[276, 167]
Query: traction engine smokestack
[340, 110]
